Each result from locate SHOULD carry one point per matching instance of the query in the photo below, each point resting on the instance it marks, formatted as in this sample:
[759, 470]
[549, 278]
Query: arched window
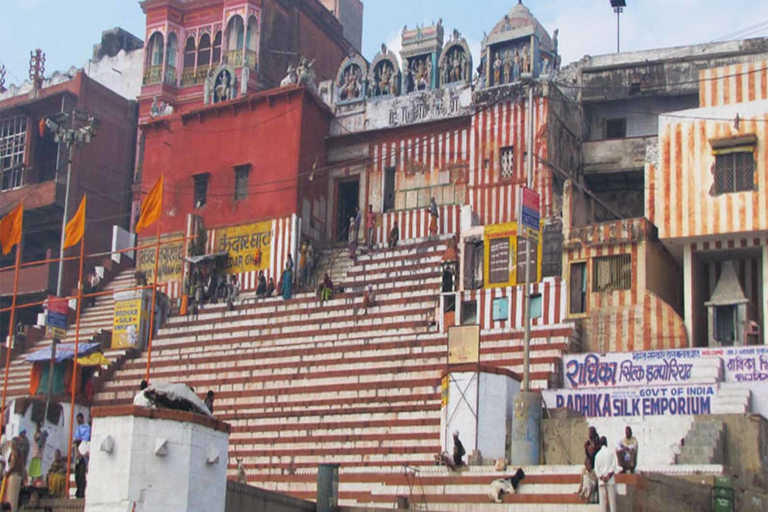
[153, 72]
[251, 42]
[189, 53]
[252, 34]
[173, 46]
[235, 33]
[217, 48]
[204, 52]
[170, 59]
[156, 43]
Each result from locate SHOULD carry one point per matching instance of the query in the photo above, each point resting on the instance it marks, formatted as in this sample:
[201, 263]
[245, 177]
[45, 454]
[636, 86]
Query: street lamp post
[618, 8]
[525, 449]
[73, 128]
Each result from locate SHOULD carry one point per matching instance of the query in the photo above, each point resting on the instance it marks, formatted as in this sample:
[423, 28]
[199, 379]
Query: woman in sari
[287, 282]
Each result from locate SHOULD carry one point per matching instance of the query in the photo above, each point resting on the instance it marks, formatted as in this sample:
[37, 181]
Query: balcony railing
[188, 77]
[234, 58]
[170, 75]
[153, 75]
[251, 59]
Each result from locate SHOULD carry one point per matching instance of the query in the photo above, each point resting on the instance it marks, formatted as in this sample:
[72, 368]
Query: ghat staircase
[95, 326]
[303, 382]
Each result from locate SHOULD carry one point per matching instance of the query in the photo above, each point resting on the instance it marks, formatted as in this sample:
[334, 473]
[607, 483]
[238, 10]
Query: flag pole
[11, 331]
[73, 387]
[152, 306]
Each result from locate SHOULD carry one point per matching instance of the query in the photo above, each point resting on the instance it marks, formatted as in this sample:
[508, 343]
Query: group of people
[499, 487]
[19, 468]
[601, 464]
[353, 232]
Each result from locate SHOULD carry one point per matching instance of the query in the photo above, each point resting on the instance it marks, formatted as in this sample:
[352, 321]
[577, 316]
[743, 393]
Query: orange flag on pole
[151, 207]
[10, 229]
[75, 227]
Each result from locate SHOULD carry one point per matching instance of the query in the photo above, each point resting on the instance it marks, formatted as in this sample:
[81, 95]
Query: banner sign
[637, 402]
[129, 327]
[665, 367]
[171, 259]
[249, 246]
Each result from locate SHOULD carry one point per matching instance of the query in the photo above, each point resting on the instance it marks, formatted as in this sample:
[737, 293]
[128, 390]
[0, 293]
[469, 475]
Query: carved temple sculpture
[302, 75]
[384, 74]
[160, 109]
[455, 62]
[220, 85]
[351, 79]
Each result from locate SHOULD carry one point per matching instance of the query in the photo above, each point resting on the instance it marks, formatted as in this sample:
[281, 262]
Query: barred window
[241, 182]
[735, 171]
[13, 142]
[507, 162]
[201, 190]
[612, 273]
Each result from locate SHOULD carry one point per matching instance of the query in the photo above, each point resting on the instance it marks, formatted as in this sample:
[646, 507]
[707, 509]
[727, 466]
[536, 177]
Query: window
[500, 309]
[578, 288]
[469, 313]
[217, 48]
[241, 182]
[612, 273]
[507, 166]
[204, 52]
[616, 128]
[735, 171]
[189, 53]
[201, 190]
[536, 309]
[13, 141]
[155, 54]
[389, 189]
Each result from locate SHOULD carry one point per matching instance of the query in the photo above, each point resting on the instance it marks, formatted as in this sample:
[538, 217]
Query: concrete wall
[121, 73]
[160, 460]
[664, 276]
[246, 498]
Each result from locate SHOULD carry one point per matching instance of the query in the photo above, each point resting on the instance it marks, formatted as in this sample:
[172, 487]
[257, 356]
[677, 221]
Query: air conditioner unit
[753, 328]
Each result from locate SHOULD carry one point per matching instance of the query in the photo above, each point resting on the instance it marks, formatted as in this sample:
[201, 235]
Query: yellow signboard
[171, 259]
[126, 329]
[249, 246]
[504, 263]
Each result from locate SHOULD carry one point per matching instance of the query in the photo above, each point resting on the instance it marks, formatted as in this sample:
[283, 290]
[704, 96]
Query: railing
[251, 59]
[189, 76]
[170, 75]
[234, 58]
[153, 75]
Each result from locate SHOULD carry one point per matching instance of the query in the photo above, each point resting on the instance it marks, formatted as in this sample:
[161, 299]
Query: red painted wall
[263, 130]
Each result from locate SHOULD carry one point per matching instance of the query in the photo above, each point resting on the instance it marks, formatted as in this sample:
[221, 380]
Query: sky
[66, 30]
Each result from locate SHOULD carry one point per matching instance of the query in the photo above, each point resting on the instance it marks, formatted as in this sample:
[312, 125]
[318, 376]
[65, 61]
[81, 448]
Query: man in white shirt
[605, 467]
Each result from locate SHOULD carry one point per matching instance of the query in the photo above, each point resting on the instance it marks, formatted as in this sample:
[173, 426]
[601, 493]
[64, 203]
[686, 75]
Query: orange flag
[75, 227]
[10, 229]
[151, 207]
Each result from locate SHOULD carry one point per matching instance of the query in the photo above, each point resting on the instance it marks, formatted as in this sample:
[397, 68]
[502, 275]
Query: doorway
[347, 200]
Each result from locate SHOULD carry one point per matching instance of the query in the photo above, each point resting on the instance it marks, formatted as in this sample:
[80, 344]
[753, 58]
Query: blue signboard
[58, 320]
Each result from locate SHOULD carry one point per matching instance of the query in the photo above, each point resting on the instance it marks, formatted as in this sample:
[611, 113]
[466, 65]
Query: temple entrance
[347, 200]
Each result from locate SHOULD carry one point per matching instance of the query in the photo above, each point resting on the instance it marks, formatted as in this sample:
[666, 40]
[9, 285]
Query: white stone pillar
[688, 289]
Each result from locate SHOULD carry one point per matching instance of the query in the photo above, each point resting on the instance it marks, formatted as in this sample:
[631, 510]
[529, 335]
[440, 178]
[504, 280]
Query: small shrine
[517, 48]
[422, 47]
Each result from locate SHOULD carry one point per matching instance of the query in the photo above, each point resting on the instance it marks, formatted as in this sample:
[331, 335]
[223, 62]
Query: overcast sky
[66, 30]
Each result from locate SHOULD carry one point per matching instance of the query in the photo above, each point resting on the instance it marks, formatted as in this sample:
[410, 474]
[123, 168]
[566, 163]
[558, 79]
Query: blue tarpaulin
[64, 351]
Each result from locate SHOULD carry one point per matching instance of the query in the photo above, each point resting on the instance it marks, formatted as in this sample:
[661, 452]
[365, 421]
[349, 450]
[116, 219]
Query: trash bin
[328, 488]
[722, 494]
